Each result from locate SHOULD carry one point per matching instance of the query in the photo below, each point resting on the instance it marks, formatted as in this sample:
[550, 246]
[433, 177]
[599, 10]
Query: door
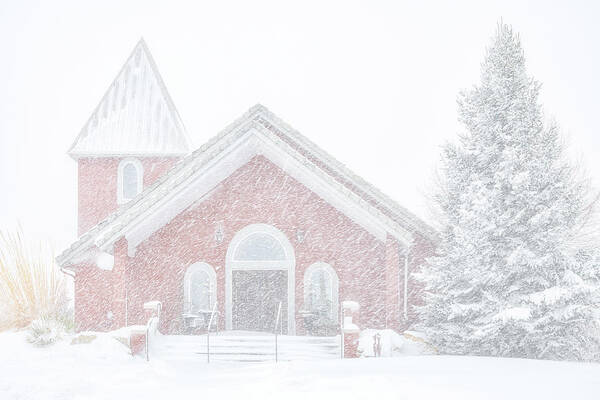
[256, 296]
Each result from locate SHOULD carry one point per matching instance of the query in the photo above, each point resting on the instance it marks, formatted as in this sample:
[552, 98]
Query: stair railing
[150, 330]
[210, 321]
[152, 325]
[277, 323]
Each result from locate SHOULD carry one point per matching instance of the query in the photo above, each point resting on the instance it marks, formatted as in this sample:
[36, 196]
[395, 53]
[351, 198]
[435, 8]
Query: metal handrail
[148, 329]
[212, 315]
[147, 343]
[277, 319]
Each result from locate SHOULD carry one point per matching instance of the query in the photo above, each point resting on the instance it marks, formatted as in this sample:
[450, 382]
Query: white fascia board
[196, 187]
[203, 182]
[341, 169]
[189, 171]
[342, 198]
[254, 142]
[315, 183]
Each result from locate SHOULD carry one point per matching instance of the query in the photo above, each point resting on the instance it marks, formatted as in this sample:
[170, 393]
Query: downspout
[72, 301]
[66, 272]
[406, 285]
[126, 284]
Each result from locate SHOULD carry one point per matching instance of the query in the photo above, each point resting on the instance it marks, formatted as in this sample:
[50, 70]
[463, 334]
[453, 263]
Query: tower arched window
[130, 180]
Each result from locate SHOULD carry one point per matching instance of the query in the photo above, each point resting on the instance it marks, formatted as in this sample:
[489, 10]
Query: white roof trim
[274, 139]
[253, 143]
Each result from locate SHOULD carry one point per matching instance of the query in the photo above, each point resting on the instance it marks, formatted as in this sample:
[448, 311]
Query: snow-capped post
[350, 330]
[153, 309]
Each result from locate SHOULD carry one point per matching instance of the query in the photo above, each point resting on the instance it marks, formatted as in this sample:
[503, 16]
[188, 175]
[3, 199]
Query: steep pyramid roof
[136, 116]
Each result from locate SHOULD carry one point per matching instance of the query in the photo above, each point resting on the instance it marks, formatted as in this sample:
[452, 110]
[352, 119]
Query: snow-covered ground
[104, 370]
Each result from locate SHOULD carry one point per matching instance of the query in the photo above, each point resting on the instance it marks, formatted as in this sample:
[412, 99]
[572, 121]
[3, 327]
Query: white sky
[374, 83]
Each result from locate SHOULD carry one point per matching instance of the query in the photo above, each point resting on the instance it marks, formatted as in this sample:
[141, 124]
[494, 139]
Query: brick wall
[258, 192]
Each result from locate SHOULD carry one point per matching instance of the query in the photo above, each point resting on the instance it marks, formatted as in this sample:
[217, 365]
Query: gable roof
[136, 115]
[258, 131]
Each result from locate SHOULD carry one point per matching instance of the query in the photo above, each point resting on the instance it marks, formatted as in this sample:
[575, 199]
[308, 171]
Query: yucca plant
[31, 286]
[45, 331]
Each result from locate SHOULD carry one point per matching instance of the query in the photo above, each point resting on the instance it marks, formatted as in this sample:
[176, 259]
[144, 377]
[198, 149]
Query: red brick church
[257, 217]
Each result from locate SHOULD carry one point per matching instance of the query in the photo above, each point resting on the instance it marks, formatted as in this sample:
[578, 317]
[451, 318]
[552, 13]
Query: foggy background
[373, 83]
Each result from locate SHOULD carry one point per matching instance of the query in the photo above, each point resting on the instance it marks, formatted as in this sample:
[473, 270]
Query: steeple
[136, 116]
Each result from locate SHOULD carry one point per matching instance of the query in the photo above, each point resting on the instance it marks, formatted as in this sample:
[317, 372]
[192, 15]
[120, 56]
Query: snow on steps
[246, 347]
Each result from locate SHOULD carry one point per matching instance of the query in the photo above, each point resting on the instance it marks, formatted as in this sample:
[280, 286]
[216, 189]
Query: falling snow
[258, 264]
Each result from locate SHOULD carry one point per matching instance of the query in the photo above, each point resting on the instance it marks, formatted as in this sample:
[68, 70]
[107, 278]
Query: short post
[350, 331]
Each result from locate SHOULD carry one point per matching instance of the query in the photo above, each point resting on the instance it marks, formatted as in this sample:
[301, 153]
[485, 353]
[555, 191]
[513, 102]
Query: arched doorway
[259, 273]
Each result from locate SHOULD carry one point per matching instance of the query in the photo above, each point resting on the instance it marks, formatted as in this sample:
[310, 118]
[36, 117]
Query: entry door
[256, 296]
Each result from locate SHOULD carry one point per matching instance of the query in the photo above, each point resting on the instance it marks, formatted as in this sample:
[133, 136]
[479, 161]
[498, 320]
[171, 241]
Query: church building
[257, 221]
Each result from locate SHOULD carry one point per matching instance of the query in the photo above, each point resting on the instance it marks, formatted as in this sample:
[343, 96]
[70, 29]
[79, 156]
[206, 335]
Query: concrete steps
[244, 347]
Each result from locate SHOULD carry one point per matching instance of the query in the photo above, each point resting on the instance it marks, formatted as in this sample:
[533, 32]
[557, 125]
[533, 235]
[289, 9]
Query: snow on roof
[380, 208]
[136, 116]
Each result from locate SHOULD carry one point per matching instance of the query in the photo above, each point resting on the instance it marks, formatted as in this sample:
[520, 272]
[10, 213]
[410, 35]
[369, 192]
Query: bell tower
[132, 138]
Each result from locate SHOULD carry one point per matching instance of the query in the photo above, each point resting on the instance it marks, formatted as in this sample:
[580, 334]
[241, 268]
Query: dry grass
[31, 286]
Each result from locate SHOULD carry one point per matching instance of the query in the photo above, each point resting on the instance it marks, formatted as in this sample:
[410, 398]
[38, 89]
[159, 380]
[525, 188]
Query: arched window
[259, 246]
[321, 287]
[199, 288]
[130, 180]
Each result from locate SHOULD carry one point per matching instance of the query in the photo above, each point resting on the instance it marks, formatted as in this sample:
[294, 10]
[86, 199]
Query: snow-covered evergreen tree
[507, 280]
